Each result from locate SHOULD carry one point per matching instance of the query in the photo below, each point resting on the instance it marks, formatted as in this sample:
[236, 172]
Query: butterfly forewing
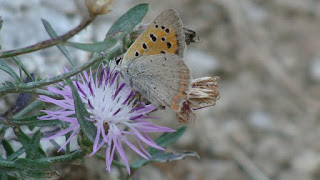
[163, 36]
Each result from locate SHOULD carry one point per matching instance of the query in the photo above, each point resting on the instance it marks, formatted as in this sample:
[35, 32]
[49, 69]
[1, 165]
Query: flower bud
[99, 7]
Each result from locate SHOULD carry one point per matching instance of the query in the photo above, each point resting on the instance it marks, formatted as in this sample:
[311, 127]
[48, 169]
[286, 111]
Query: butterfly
[154, 65]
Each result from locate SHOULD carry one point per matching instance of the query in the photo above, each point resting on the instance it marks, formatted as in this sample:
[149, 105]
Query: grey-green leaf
[35, 143]
[7, 147]
[94, 47]
[87, 127]
[31, 168]
[168, 138]
[52, 33]
[24, 69]
[31, 145]
[33, 121]
[161, 156]
[33, 105]
[16, 154]
[9, 70]
[127, 22]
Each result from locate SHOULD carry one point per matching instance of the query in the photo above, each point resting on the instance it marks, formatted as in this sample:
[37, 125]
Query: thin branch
[42, 92]
[7, 122]
[49, 42]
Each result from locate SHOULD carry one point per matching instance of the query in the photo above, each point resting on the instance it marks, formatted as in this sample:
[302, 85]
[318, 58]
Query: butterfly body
[153, 65]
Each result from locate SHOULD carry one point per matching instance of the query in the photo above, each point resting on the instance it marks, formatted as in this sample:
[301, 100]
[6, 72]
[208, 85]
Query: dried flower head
[204, 93]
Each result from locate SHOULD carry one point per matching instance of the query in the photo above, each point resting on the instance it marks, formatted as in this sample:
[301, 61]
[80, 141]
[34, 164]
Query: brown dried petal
[204, 93]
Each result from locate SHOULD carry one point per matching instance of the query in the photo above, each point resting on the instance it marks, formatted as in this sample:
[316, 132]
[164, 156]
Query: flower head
[112, 109]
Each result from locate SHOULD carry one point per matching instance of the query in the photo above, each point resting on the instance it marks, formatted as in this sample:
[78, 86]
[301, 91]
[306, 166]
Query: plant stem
[31, 85]
[49, 42]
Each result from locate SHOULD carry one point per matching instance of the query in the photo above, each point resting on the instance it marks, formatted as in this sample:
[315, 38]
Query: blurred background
[265, 125]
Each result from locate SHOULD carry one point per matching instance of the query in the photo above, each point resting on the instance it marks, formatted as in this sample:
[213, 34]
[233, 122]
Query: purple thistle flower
[112, 109]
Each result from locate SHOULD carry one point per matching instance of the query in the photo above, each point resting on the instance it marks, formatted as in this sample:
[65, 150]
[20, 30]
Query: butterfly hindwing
[157, 82]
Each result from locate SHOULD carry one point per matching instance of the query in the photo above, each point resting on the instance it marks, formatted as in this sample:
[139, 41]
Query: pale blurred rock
[254, 12]
[293, 175]
[150, 172]
[315, 69]
[307, 162]
[215, 169]
[260, 120]
[201, 63]
[274, 149]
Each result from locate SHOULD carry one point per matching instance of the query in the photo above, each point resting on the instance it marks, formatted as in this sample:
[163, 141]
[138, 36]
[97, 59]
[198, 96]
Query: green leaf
[10, 71]
[16, 154]
[30, 164]
[35, 143]
[30, 107]
[31, 168]
[7, 147]
[4, 176]
[127, 22]
[31, 145]
[39, 164]
[34, 121]
[64, 158]
[52, 33]
[94, 47]
[168, 138]
[24, 69]
[6, 163]
[38, 123]
[8, 83]
[87, 127]
[161, 156]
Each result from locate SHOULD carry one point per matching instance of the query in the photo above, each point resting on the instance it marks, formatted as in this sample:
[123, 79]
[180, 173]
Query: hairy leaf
[127, 22]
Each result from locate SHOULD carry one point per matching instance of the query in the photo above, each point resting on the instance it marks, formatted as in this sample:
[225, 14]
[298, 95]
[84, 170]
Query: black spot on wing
[153, 37]
[144, 45]
[169, 45]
